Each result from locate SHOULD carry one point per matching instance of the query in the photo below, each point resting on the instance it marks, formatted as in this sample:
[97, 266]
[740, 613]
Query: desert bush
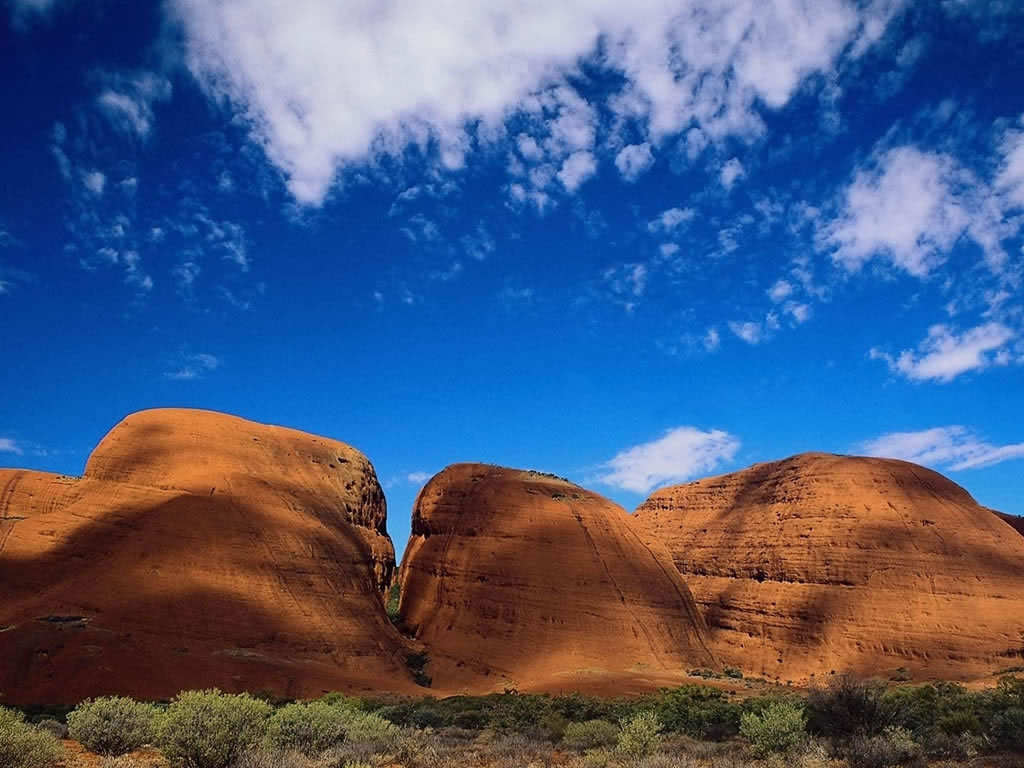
[1002, 712]
[781, 727]
[25, 746]
[56, 727]
[590, 734]
[846, 709]
[310, 728]
[113, 725]
[922, 709]
[895, 746]
[597, 758]
[374, 733]
[1005, 730]
[271, 758]
[519, 712]
[640, 735]
[698, 711]
[127, 761]
[210, 729]
[427, 717]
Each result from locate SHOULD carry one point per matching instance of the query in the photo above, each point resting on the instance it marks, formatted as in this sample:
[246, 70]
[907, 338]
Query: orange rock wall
[513, 577]
[198, 549]
[823, 563]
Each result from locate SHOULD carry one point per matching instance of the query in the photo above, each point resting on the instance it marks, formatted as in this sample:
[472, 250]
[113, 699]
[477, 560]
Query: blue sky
[632, 244]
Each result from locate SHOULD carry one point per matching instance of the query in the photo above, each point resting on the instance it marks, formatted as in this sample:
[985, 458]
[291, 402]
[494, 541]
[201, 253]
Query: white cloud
[577, 168]
[730, 173]
[325, 86]
[902, 208]
[25, 10]
[952, 447]
[626, 284]
[943, 354]
[799, 311]
[1010, 180]
[750, 332]
[417, 478]
[668, 250]
[712, 340]
[193, 367]
[9, 445]
[634, 160]
[669, 220]
[127, 100]
[781, 290]
[680, 454]
[95, 182]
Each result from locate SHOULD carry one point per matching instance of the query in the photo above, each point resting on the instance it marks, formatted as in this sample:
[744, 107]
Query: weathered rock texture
[513, 577]
[1014, 521]
[198, 549]
[820, 562]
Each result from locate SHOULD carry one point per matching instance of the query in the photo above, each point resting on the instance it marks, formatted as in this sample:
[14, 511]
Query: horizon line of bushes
[866, 722]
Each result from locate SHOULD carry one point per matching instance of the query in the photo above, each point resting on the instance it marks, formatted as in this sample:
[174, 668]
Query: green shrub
[846, 709]
[394, 598]
[210, 729]
[1006, 729]
[56, 727]
[698, 711]
[265, 758]
[310, 728]
[1002, 712]
[640, 735]
[373, 732]
[113, 725]
[895, 746]
[781, 727]
[590, 734]
[24, 746]
[597, 758]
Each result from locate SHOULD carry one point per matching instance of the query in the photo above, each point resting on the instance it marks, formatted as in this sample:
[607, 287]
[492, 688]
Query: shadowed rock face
[198, 549]
[517, 577]
[820, 562]
[1014, 521]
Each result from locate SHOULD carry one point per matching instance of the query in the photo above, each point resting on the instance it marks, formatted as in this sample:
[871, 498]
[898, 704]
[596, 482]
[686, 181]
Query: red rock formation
[819, 563]
[514, 577]
[198, 549]
[1014, 521]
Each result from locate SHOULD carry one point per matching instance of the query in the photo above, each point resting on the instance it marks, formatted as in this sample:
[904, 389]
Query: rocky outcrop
[1014, 521]
[519, 578]
[822, 563]
[198, 549]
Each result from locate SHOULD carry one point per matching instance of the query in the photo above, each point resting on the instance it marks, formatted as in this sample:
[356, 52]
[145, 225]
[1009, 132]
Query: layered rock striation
[198, 549]
[822, 563]
[518, 578]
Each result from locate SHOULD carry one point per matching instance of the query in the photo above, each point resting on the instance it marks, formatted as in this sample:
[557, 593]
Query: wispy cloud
[679, 455]
[634, 160]
[680, 62]
[10, 445]
[418, 478]
[944, 354]
[193, 366]
[127, 99]
[749, 331]
[671, 219]
[953, 447]
[731, 172]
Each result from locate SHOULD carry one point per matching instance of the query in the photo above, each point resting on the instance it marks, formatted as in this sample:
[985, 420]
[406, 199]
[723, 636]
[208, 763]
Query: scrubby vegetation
[25, 746]
[210, 729]
[846, 723]
[113, 725]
